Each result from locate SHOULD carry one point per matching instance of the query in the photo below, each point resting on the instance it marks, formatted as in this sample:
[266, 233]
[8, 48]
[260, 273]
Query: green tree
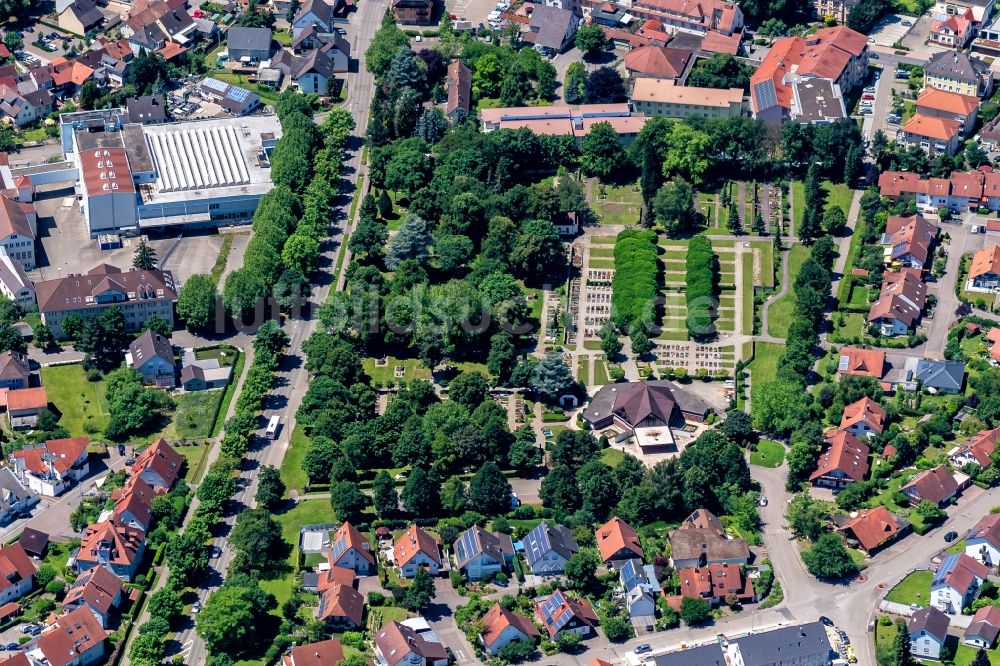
[421, 495]
[982, 659]
[901, 646]
[489, 490]
[469, 389]
[591, 40]
[598, 488]
[694, 610]
[524, 452]
[806, 517]
[673, 207]
[611, 345]
[42, 336]
[259, 546]
[733, 222]
[575, 84]
[552, 376]
[385, 44]
[721, 71]
[641, 344]
[301, 252]
[196, 302]
[348, 501]
[828, 558]
[166, 603]
[230, 619]
[386, 499]
[410, 242]
[420, 591]
[270, 488]
[616, 629]
[602, 154]
[581, 569]
[90, 94]
[454, 496]
[502, 357]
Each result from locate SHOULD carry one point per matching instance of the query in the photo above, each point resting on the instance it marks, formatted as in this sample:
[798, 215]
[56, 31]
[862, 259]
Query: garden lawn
[838, 195]
[781, 311]
[412, 369]
[612, 457]
[798, 202]
[746, 293]
[306, 512]
[764, 367]
[196, 412]
[194, 455]
[621, 205]
[80, 403]
[914, 589]
[768, 454]
[291, 470]
[854, 324]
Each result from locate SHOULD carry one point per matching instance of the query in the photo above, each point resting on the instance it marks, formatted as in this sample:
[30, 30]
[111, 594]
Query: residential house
[551, 29]
[560, 613]
[805, 645]
[416, 549]
[341, 606]
[14, 370]
[937, 103]
[324, 653]
[834, 11]
[80, 17]
[641, 589]
[351, 550]
[15, 498]
[68, 76]
[480, 554]
[863, 362]
[110, 61]
[953, 31]
[397, 643]
[547, 549]
[958, 72]
[153, 357]
[907, 240]
[99, 590]
[864, 418]
[977, 450]
[956, 583]
[618, 541]
[874, 528]
[316, 13]
[660, 62]
[984, 271]
[709, 20]
[233, 99]
[24, 406]
[17, 231]
[557, 120]
[706, 655]
[702, 540]
[159, 24]
[248, 44]
[661, 97]
[158, 464]
[983, 542]
[993, 337]
[843, 461]
[985, 627]
[935, 376]
[415, 12]
[900, 302]
[35, 543]
[108, 545]
[146, 110]
[51, 468]
[715, 582]
[17, 573]
[502, 627]
[936, 136]
[139, 294]
[936, 486]
[838, 55]
[74, 639]
[204, 376]
[459, 84]
[134, 505]
[24, 108]
[815, 100]
[314, 72]
[15, 283]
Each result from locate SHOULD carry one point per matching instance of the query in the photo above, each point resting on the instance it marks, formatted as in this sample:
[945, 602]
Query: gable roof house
[34, 542]
[936, 485]
[985, 627]
[396, 643]
[80, 17]
[97, 589]
[984, 271]
[25, 405]
[18, 226]
[953, 31]
[936, 136]
[413, 11]
[715, 582]
[660, 62]
[459, 83]
[152, 355]
[617, 541]
[146, 110]
[935, 376]
[324, 653]
[956, 583]
[15, 498]
[900, 302]
[164, 26]
[978, 449]
[502, 627]
[874, 528]
[351, 550]
[14, 370]
[481, 554]
[158, 464]
[16, 573]
[253, 44]
[641, 589]
[844, 461]
[864, 418]
[560, 613]
[551, 29]
[928, 629]
[14, 282]
[340, 605]
[908, 240]
[320, 14]
[547, 548]
[50, 469]
[24, 108]
[864, 362]
[416, 549]
[134, 505]
[74, 639]
[702, 540]
[937, 103]
[983, 542]
[312, 72]
[118, 548]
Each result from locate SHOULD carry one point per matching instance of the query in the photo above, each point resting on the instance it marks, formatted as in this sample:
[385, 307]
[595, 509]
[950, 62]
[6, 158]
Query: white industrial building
[135, 178]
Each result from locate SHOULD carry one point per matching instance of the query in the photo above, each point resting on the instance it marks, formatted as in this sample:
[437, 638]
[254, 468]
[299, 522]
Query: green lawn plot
[839, 195]
[195, 414]
[81, 404]
[194, 454]
[601, 375]
[604, 252]
[583, 370]
[764, 367]
[914, 589]
[798, 202]
[395, 370]
[306, 512]
[601, 263]
[780, 313]
[225, 356]
[766, 251]
[592, 345]
[612, 457]
[292, 474]
[266, 95]
[854, 325]
[707, 205]
[746, 294]
[615, 205]
[853, 293]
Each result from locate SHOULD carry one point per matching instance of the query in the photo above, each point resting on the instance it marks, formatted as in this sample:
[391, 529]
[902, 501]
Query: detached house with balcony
[935, 136]
[480, 554]
[547, 548]
[119, 549]
[502, 627]
[51, 468]
[99, 590]
[617, 541]
[983, 542]
[984, 271]
[928, 629]
[416, 549]
[937, 103]
[907, 240]
[955, 71]
[17, 573]
[977, 450]
[641, 589]
[864, 418]
[560, 613]
[956, 583]
[397, 644]
[158, 464]
[900, 302]
[936, 485]
[351, 550]
[843, 461]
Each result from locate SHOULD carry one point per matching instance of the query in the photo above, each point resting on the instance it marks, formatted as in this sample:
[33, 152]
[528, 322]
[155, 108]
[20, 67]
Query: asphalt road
[292, 378]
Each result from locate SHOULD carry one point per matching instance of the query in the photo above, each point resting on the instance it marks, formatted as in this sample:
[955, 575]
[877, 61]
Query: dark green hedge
[635, 283]
[702, 287]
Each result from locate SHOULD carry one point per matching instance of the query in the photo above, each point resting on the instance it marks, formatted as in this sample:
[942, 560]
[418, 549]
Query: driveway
[945, 313]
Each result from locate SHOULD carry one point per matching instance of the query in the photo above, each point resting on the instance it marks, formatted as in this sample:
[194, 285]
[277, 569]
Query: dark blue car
[13, 646]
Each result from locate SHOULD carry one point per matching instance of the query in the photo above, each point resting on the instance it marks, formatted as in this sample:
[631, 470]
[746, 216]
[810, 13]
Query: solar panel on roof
[238, 95]
[214, 84]
[844, 361]
[766, 95]
[563, 619]
[339, 546]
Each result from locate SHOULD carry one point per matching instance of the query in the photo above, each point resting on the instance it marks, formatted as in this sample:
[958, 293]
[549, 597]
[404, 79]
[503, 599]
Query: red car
[868, 96]
[453, 17]
[198, 14]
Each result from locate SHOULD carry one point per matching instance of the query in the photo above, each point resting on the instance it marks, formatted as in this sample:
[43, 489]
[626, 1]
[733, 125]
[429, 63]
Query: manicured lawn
[602, 240]
[768, 454]
[383, 374]
[764, 367]
[746, 293]
[612, 457]
[225, 356]
[291, 470]
[584, 370]
[601, 372]
[193, 454]
[854, 324]
[798, 202]
[230, 392]
[307, 512]
[839, 195]
[620, 205]
[196, 412]
[80, 403]
[914, 589]
[780, 314]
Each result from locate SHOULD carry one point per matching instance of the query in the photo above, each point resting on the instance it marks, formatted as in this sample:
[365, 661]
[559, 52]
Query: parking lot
[475, 11]
[891, 29]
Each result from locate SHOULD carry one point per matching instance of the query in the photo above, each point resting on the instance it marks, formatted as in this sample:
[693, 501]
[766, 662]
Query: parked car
[866, 102]
[642, 649]
[868, 95]
[121, 449]
[873, 55]
[951, 536]
[906, 23]
[825, 620]
[196, 606]
[216, 552]
[12, 646]
[32, 629]
[866, 111]
[843, 637]
[763, 500]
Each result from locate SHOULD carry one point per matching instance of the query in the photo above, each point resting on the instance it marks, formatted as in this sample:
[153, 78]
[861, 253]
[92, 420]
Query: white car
[866, 102]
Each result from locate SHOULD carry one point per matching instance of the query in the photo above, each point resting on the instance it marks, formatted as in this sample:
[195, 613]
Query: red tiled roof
[903, 297]
[15, 565]
[161, 458]
[949, 102]
[981, 446]
[96, 587]
[867, 411]
[341, 600]
[846, 454]
[985, 261]
[941, 129]
[873, 527]
[70, 637]
[323, 653]
[415, 540]
[867, 362]
[911, 235]
[964, 573]
[354, 539]
[28, 398]
[935, 485]
[615, 535]
[124, 544]
[659, 61]
[499, 618]
[105, 171]
[580, 608]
